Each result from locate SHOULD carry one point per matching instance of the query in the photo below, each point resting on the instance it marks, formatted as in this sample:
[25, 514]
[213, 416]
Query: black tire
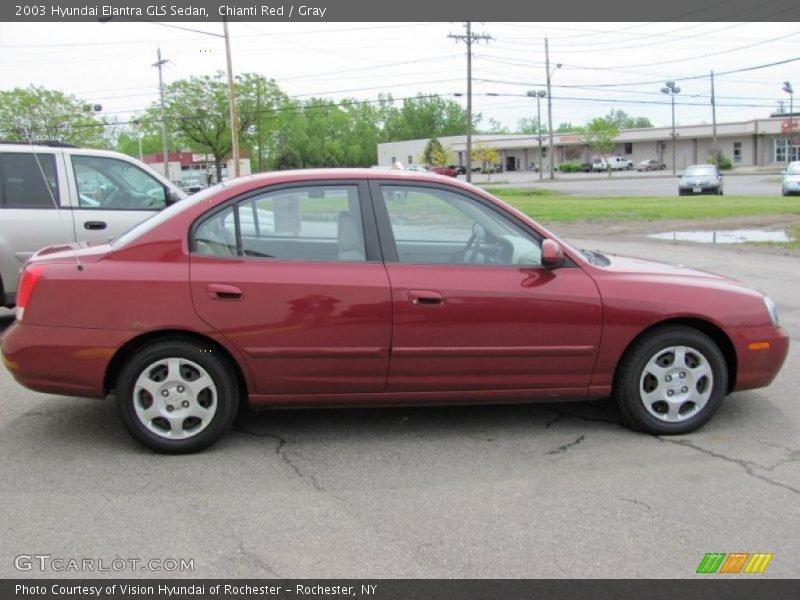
[225, 401]
[631, 375]
[681, 193]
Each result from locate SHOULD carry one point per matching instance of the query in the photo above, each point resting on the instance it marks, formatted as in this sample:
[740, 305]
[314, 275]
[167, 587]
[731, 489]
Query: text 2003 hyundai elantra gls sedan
[367, 287]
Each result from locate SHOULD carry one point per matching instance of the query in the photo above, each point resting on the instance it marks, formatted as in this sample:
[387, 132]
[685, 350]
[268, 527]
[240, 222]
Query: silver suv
[56, 193]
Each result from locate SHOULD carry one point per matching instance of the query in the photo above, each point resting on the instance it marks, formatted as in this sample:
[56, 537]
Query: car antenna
[55, 204]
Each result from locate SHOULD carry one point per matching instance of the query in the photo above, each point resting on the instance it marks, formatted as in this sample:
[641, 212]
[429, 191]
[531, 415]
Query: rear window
[28, 180]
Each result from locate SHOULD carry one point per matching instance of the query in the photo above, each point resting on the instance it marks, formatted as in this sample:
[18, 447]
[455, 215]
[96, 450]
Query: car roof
[298, 175]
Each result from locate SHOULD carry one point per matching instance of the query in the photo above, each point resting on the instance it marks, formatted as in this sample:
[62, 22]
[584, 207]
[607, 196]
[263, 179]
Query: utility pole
[714, 121]
[550, 106]
[258, 127]
[164, 150]
[469, 38]
[232, 101]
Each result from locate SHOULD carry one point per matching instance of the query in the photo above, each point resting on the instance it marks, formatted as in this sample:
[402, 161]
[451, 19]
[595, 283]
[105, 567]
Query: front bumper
[60, 360]
[704, 189]
[760, 354]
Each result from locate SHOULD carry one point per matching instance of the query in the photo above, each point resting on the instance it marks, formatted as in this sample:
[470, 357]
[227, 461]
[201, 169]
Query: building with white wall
[759, 142]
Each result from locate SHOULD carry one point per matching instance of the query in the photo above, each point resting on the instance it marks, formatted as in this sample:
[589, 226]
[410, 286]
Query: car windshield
[702, 170]
[794, 169]
[157, 219]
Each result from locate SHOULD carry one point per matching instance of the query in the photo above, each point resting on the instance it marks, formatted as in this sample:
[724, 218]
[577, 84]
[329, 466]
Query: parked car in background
[599, 164]
[448, 171]
[417, 169]
[701, 179]
[58, 193]
[586, 167]
[367, 287]
[791, 180]
[460, 169]
[619, 163]
[650, 165]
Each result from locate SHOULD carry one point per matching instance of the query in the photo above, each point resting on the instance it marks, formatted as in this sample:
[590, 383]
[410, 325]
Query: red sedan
[364, 287]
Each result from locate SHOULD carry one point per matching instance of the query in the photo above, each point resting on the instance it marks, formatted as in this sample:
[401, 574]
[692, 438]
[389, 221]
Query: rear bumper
[760, 354]
[60, 360]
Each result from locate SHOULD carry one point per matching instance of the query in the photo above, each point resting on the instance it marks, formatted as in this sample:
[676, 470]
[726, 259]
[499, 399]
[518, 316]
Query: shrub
[725, 163]
[569, 167]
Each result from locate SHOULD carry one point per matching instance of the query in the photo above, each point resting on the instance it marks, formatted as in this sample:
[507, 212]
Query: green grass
[545, 205]
[794, 244]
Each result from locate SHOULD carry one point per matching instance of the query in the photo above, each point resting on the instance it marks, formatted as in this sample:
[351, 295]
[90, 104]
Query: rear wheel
[671, 381]
[176, 396]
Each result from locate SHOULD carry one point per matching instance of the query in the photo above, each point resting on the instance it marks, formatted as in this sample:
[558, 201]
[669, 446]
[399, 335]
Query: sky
[604, 65]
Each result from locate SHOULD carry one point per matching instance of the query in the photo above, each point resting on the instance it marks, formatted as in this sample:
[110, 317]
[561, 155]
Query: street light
[539, 94]
[671, 89]
[787, 87]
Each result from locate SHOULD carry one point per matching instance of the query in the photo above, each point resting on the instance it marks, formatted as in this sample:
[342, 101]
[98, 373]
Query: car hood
[653, 271]
[791, 178]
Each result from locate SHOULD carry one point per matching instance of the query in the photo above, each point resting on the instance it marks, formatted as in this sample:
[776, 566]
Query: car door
[473, 307]
[291, 276]
[110, 195]
[31, 215]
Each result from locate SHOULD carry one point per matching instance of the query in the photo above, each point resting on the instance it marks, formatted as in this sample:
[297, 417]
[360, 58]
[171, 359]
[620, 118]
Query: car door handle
[425, 298]
[95, 225]
[221, 291]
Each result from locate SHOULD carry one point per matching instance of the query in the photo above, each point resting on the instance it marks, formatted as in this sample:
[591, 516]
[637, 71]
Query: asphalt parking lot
[633, 183]
[548, 490]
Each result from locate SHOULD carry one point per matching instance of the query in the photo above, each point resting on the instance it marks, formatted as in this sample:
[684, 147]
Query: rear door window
[28, 180]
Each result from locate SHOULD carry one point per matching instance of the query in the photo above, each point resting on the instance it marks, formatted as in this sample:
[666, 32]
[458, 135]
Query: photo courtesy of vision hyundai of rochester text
[363, 287]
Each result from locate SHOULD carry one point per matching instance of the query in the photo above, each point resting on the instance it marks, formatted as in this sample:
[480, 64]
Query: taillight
[28, 280]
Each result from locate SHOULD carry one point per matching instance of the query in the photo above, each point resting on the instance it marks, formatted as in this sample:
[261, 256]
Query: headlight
[772, 310]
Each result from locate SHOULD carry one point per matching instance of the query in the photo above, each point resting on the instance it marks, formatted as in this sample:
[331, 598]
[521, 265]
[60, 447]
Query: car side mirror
[552, 255]
[172, 197]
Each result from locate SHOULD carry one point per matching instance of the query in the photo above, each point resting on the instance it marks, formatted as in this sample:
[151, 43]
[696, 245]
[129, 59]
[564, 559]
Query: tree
[600, 134]
[423, 117]
[198, 110]
[625, 121]
[36, 113]
[434, 154]
[486, 155]
[496, 127]
[287, 158]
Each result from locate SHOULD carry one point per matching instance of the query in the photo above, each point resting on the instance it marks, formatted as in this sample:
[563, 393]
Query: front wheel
[177, 396]
[671, 381]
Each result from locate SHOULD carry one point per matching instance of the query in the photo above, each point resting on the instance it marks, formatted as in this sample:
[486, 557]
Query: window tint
[109, 183]
[24, 184]
[302, 223]
[433, 226]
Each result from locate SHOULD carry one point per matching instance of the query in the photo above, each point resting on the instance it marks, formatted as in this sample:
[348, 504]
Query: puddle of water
[729, 236]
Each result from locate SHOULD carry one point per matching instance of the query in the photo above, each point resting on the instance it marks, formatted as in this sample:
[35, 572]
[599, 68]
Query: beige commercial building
[759, 142]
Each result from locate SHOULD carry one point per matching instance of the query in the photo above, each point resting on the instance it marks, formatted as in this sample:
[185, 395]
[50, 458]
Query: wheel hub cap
[676, 383]
[175, 398]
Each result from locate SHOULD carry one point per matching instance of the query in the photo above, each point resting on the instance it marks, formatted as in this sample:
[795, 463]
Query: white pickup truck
[615, 163]
[56, 193]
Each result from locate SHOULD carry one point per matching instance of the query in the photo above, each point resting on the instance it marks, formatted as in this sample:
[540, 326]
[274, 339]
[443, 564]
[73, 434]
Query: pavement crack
[566, 447]
[639, 502]
[748, 465]
[255, 558]
[283, 454]
[563, 414]
[552, 421]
